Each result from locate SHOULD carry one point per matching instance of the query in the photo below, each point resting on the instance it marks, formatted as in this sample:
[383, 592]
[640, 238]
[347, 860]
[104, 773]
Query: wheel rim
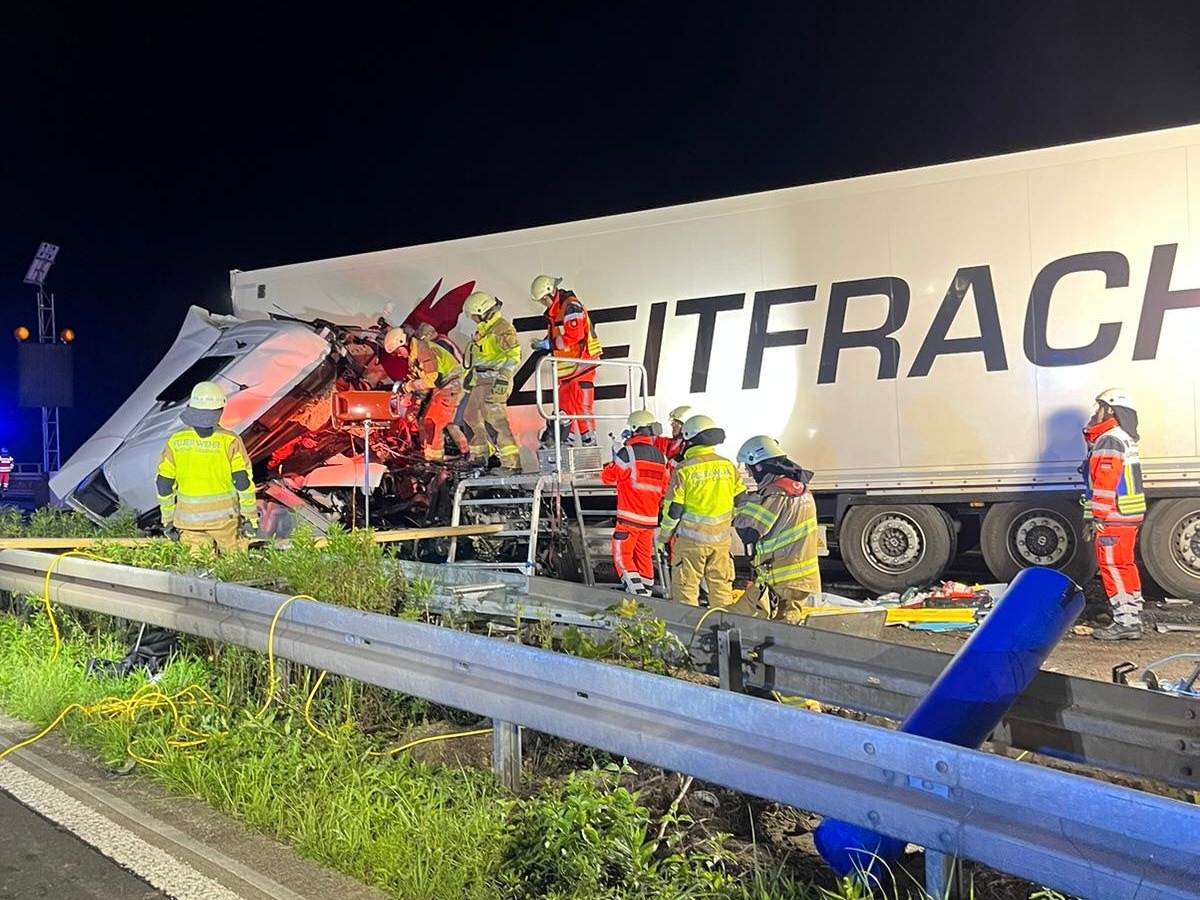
[1041, 537]
[1185, 544]
[893, 543]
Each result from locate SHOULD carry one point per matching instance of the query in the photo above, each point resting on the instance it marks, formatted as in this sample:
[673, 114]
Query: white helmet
[479, 304]
[759, 448]
[679, 413]
[1116, 397]
[640, 418]
[395, 339]
[207, 395]
[543, 286]
[696, 424]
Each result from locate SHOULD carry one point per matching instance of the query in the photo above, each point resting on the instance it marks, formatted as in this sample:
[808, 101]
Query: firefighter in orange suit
[639, 470]
[1113, 508]
[570, 337]
[435, 365]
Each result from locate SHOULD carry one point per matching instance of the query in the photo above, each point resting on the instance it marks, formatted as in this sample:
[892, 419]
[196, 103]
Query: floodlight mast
[47, 334]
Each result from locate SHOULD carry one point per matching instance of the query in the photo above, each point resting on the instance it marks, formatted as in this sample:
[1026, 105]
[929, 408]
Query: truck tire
[1026, 533]
[892, 547]
[1170, 546]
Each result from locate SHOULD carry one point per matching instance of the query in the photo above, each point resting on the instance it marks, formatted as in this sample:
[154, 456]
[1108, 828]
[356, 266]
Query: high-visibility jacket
[435, 366]
[1113, 477]
[639, 470]
[571, 336]
[700, 497]
[780, 520]
[7, 464]
[494, 347]
[201, 470]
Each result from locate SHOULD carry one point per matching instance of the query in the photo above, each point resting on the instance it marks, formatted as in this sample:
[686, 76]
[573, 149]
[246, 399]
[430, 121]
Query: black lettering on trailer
[706, 308]
[990, 342]
[838, 339]
[760, 338]
[1158, 299]
[653, 350]
[1037, 348]
[537, 324]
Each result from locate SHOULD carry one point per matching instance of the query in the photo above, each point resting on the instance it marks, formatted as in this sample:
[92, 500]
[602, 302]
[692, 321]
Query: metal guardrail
[1073, 834]
[1146, 733]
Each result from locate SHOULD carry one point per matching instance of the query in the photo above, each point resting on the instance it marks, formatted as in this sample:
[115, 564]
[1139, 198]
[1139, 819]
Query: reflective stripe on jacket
[640, 473]
[435, 366]
[700, 497]
[571, 335]
[781, 517]
[1113, 478]
[7, 464]
[494, 345]
[202, 471]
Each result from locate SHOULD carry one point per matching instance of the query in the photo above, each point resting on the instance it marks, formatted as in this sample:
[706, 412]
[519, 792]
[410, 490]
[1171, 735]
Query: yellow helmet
[696, 424]
[207, 395]
[543, 286]
[479, 304]
[680, 414]
[395, 339]
[640, 418]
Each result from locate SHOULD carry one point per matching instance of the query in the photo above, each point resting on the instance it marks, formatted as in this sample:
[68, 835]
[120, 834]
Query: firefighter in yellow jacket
[697, 513]
[492, 359]
[205, 486]
[778, 524]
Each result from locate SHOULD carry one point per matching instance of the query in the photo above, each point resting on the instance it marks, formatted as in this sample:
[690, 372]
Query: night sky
[160, 149]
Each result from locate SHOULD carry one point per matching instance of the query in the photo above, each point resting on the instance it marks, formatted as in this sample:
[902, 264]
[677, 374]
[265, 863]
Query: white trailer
[928, 341]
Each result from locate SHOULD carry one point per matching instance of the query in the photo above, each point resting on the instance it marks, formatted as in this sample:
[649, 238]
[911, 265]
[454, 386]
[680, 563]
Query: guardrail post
[506, 753]
[943, 876]
[729, 659]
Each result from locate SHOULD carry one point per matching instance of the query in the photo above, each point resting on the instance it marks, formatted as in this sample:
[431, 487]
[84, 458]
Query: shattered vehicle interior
[283, 378]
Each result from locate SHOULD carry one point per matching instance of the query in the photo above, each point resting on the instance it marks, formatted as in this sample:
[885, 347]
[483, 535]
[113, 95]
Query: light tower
[47, 334]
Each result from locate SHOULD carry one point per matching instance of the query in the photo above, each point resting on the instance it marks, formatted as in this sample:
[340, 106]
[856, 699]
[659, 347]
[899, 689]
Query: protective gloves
[543, 344]
[249, 529]
[170, 532]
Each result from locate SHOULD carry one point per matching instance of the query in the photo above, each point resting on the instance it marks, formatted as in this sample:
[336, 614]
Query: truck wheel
[1027, 533]
[1170, 546]
[890, 548]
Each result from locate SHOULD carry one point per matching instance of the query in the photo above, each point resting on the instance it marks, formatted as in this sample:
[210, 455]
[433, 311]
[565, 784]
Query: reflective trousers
[226, 537]
[577, 397]
[1122, 582]
[485, 417]
[633, 557]
[693, 562]
[440, 413]
[789, 601]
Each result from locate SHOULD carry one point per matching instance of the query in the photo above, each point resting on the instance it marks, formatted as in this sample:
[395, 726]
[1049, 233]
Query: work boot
[1118, 632]
[589, 439]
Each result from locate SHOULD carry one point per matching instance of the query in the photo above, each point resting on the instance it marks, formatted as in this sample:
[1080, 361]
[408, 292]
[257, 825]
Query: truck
[928, 341]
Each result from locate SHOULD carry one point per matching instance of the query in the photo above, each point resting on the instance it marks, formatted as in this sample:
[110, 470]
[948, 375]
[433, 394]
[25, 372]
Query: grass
[313, 768]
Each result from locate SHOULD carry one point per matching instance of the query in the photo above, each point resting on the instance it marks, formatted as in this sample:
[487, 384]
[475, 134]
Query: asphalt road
[39, 859]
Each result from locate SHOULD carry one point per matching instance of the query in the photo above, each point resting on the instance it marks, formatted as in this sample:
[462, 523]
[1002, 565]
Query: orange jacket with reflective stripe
[571, 335]
[640, 473]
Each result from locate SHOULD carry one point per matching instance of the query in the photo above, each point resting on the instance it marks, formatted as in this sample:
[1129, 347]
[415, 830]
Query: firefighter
[673, 446]
[435, 367]
[492, 359]
[778, 525]
[639, 470]
[697, 513]
[394, 358]
[1114, 506]
[7, 464]
[569, 337]
[205, 486]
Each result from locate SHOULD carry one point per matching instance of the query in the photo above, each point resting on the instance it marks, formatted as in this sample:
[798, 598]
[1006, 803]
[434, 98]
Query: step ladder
[559, 520]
